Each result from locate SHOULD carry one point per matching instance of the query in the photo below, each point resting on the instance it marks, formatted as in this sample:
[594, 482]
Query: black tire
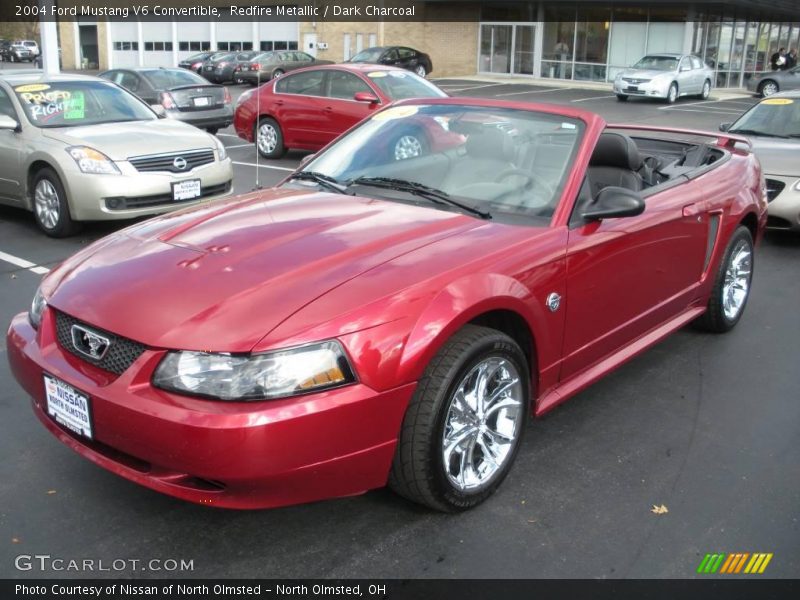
[672, 96]
[212, 130]
[714, 319]
[703, 95]
[768, 87]
[622, 97]
[277, 73]
[278, 149]
[62, 225]
[418, 472]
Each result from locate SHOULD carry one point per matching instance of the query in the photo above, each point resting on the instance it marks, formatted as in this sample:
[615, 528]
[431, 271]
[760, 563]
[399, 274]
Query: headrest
[490, 143]
[616, 150]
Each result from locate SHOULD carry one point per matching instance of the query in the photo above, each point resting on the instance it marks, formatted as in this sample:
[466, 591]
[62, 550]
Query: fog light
[114, 203]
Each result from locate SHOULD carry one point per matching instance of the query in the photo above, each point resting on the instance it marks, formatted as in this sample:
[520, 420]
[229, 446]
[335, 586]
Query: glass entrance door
[523, 50]
[507, 48]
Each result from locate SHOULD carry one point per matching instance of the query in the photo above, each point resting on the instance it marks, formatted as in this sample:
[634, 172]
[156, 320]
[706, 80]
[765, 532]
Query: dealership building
[583, 41]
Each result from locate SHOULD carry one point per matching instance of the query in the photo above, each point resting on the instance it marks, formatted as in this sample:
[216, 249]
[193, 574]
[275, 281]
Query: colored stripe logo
[735, 563]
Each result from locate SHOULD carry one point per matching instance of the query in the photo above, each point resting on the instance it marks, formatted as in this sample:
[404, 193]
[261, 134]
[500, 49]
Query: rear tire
[706, 90]
[277, 73]
[732, 285]
[421, 71]
[50, 205]
[464, 425]
[212, 130]
[269, 138]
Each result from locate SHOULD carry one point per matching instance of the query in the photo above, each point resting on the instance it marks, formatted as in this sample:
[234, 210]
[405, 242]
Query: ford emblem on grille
[179, 163]
[89, 343]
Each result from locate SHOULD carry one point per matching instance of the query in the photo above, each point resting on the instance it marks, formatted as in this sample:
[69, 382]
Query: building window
[267, 46]
[126, 45]
[234, 46]
[281, 45]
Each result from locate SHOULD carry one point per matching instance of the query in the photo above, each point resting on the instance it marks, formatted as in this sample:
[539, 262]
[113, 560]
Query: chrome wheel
[769, 88]
[277, 74]
[673, 93]
[47, 204]
[483, 422]
[420, 70]
[408, 146]
[706, 90]
[267, 138]
[736, 285]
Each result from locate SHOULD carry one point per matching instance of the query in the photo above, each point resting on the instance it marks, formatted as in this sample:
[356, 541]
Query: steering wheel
[530, 178]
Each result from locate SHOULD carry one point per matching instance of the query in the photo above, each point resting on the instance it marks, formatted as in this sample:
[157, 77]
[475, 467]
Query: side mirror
[7, 123]
[725, 126]
[366, 97]
[613, 203]
[306, 159]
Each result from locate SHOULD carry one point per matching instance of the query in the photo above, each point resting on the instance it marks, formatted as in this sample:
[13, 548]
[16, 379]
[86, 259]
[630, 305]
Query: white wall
[666, 37]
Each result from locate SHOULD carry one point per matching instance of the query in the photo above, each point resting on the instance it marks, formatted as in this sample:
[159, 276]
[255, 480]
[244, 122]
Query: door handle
[691, 210]
[328, 109]
[279, 102]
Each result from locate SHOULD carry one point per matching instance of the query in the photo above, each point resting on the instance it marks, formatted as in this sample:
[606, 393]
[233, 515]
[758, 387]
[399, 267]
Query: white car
[665, 76]
[32, 46]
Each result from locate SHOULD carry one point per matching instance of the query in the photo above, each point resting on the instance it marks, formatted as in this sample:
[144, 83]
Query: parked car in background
[271, 65]
[396, 56]
[773, 127]
[772, 82]
[666, 77]
[13, 52]
[180, 94]
[307, 109]
[79, 148]
[31, 45]
[219, 68]
[195, 62]
[374, 320]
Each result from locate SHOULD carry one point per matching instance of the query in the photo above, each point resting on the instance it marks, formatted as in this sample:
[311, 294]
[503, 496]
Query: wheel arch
[36, 164]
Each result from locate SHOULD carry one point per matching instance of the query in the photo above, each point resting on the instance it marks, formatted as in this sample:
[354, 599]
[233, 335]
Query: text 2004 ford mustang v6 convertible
[377, 320]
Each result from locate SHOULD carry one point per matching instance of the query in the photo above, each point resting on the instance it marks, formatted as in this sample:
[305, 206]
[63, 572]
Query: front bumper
[134, 193]
[784, 207]
[234, 455]
[650, 89]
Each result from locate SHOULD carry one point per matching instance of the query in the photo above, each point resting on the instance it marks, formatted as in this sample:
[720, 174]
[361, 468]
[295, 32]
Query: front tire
[277, 73]
[465, 423]
[731, 285]
[421, 71]
[50, 205]
[409, 145]
[672, 94]
[269, 138]
[622, 97]
[768, 88]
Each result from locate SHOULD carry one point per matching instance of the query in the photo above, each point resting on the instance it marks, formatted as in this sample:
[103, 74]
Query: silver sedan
[665, 76]
[767, 84]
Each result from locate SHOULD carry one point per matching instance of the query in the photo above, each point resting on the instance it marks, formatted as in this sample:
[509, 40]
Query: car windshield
[657, 63]
[221, 57]
[196, 57]
[77, 103]
[269, 57]
[368, 56]
[491, 161]
[399, 85]
[164, 79]
[773, 117]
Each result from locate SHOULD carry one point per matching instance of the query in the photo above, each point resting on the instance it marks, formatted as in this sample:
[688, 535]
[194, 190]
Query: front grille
[122, 203]
[121, 354]
[634, 80]
[166, 162]
[774, 187]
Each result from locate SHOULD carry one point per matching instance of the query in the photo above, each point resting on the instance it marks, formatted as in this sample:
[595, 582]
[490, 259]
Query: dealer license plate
[632, 88]
[68, 406]
[201, 101]
[186, 190]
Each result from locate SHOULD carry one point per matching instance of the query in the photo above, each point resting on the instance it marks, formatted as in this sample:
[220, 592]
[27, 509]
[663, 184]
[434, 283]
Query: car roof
[33, 76]
[666, 54]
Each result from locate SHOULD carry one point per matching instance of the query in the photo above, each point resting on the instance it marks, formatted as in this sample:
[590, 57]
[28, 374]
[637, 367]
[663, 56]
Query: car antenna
[258, 129]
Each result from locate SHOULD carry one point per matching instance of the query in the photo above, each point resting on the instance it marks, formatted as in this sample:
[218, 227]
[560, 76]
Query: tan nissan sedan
[78, 148]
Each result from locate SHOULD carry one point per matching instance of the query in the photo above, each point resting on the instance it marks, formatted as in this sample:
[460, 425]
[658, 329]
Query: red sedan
[308, 108]
[377, 319]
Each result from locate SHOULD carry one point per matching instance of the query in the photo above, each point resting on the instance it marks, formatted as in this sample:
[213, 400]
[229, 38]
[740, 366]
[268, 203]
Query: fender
[40, 157]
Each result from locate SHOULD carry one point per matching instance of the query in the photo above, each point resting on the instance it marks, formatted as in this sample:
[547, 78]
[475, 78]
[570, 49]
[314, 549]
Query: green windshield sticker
[75, 106]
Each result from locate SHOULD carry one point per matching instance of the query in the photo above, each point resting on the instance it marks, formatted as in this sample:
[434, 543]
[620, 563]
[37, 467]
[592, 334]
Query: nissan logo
[179, 163]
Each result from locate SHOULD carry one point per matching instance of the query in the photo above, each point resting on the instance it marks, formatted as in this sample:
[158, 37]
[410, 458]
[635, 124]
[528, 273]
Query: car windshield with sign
[489, 162]
[773, 117]
[79, 103]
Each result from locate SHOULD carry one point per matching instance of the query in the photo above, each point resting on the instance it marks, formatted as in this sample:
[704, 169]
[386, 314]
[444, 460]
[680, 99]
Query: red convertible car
[309, 108]
[376, 319]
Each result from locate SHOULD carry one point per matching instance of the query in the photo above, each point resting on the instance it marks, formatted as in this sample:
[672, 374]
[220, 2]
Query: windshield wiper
[326, 181]
[418, 189]
[756, 132]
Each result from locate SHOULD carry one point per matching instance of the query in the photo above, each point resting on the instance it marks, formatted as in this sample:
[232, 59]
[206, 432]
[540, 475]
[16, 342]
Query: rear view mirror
[366, 97]
[725, 126]
[613, 203]
[8, 123]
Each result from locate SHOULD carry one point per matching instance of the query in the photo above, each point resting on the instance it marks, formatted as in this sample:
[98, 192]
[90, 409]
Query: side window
[129, 81]
[685, 64]
[345, 85]
[406, 53]
[307, 84]
[6, 107]
[287, 56]
[390, 54]
[303, 57]
[696, 63]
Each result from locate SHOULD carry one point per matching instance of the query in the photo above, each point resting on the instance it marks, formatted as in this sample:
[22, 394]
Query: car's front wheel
[409, 145]
[622, 97]
[420, 70]
[768, 88]
[672, 93]
[50, 204]
[277, 73]
[731, 285]
[464, 425]
[269, 138]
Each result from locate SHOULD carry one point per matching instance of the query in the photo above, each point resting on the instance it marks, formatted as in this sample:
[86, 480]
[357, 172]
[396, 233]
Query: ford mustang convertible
[381, 319]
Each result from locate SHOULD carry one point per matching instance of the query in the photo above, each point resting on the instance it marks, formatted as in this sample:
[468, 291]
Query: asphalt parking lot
[705, 425]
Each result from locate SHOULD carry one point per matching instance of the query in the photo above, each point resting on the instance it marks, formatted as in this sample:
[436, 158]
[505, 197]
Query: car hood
[221, 277]
[118, 141]
[644, 73]
[777, 157]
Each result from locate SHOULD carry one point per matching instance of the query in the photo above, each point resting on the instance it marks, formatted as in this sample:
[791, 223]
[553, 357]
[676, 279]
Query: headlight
[37, 308]
[92, 161]
[797, 186]
[221, 152]
[255, 377]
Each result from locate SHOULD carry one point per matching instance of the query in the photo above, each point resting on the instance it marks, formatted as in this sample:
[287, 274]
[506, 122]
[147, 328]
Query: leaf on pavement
[659, 510]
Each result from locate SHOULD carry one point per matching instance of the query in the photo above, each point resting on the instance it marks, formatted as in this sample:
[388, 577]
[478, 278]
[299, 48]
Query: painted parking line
[529, 92]
[25, 264]
[706, 103]
[228, 135]
[249, 164]
[697, 110]
[475, 87]
[593, 98]
[238, 146]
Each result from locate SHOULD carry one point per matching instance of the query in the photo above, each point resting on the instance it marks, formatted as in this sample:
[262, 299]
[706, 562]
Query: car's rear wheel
[731, 285]
[269, 138]
[277, 73]
[464, 425]
[50, 205]
[672, 94]
[212, 130]
[706, 91]
[409, 145]
[768, 88]
[622, 97]
[421, 70]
